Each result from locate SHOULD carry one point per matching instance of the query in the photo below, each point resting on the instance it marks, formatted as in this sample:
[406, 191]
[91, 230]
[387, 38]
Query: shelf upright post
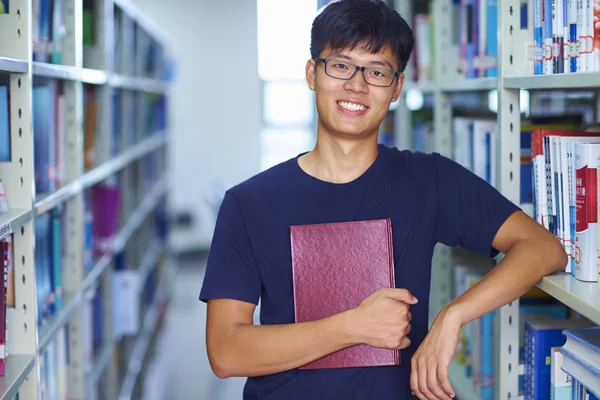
[402, 115]
[105, 153]
[512, 59]
[441, 288]
[74, 215]
[18, 180]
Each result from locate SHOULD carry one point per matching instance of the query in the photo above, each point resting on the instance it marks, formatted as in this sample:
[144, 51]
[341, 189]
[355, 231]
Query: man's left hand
[429, 365]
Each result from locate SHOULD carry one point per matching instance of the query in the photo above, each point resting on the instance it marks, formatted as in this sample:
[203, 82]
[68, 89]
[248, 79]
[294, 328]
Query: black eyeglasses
[341, 69]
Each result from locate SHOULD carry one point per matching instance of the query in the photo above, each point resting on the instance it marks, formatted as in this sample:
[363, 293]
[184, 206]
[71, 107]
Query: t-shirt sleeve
[469, 210]
[231, 270]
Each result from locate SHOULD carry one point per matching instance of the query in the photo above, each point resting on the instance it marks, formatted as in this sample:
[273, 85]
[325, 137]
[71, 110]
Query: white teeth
[352, 106]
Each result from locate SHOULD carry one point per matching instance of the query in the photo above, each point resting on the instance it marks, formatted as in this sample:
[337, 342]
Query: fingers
[405, 343]
[401, 295]
[442, 377]
[425, 382]
[433, 385]
[414, 379]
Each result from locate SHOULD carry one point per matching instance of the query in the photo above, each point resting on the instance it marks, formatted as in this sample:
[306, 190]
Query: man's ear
[398, 89]
[310, 74]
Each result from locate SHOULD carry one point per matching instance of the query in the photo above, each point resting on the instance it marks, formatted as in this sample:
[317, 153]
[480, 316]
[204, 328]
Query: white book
[560, 381]
[581, 33]
[586, 235]
[567, 192]
[463, 142]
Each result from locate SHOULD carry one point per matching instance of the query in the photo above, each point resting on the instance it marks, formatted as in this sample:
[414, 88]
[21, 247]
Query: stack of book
[581, 362]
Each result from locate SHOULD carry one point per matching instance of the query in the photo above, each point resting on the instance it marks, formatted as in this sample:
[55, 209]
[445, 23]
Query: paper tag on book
[126, 300]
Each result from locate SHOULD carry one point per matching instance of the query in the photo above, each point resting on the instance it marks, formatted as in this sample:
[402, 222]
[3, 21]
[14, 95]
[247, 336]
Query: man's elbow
[219, 364]
[556, 257]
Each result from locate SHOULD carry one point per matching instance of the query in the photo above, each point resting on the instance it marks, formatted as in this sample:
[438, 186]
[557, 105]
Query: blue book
[492, 35]
[584, 345]
[586, 376]
[487, 356]
[471, 45]
[4, 125]
[538, 38]
[573, 39]
[526, 169]
[548, 38]
[542, 336]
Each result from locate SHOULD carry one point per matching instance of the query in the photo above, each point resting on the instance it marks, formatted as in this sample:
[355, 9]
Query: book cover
[335, 267]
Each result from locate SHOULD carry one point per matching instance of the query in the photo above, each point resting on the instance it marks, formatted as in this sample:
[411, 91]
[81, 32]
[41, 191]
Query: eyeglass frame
[357, 68]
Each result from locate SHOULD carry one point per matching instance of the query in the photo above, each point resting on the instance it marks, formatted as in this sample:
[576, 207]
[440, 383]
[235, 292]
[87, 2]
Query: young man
[359, 50]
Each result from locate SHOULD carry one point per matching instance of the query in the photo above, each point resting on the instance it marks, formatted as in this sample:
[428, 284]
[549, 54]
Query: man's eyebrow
[383, 63]
[386, 64]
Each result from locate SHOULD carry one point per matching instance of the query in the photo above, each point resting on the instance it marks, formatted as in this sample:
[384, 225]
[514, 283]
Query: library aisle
[191, 377]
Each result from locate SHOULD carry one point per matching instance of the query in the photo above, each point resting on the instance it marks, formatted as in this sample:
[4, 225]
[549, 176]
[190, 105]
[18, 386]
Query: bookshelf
[95, 166]
[514, 75]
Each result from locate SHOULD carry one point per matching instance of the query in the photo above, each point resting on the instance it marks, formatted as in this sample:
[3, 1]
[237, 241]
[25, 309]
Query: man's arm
[531, 252]
[236, 347]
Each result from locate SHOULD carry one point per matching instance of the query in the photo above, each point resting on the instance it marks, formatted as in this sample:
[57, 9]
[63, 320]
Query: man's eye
[340, 66]
[378, 74]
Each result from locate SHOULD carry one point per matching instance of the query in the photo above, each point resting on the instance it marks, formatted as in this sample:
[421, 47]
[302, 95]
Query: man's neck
[339, 161]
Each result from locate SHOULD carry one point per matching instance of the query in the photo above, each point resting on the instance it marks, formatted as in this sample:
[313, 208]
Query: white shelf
[469, 85]
[137, 83]
[65, 72]
[461, 384]
[11, 65]
[424, 87]
[47, 332]
[18, 368]
[12, 220]
[459, 85]
[583, 297]
[55, 71]
[47, 202]
[582, 80]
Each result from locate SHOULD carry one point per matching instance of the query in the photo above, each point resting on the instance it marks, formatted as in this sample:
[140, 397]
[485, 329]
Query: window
[289, 114]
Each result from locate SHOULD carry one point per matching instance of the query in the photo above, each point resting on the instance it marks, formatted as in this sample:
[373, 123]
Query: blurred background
[123, 123]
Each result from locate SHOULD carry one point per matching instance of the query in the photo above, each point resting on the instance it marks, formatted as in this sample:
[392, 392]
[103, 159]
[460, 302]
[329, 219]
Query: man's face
[352, 108]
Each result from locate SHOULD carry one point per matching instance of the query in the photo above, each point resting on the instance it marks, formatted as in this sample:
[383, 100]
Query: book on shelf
[475, 146]
[5, 250]
[322, 257]
[560, 381]
[581, 358]
[473, 44]
[48, 30]
[562, 35]
[5, 143]
[565, 194]
[540, 338]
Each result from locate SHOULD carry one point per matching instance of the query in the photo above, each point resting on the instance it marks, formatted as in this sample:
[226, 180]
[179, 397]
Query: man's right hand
[383, 319]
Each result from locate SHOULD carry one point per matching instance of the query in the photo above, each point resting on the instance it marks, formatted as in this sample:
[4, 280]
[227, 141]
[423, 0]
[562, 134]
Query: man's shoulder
[416, 163]
[265, 181]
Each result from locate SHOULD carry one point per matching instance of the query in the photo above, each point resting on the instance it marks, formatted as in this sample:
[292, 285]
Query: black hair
[372, 24]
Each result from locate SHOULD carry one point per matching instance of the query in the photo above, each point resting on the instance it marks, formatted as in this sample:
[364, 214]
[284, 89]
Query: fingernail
[415, 299]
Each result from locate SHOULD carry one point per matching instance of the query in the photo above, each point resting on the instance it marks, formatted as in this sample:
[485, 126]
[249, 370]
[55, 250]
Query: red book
[335, 267]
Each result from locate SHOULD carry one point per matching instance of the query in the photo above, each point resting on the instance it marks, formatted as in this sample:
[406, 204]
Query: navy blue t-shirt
[429, 198]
